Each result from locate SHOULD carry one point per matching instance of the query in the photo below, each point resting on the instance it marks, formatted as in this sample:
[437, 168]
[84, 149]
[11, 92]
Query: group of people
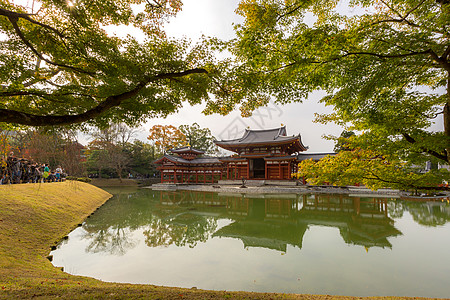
[20, 170]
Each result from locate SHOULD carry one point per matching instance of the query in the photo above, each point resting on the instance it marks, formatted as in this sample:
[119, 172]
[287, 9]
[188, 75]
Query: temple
[262, 154]
[266, 154]
[188, 165]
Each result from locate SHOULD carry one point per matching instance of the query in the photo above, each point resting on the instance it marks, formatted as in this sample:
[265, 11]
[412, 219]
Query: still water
[315, 244]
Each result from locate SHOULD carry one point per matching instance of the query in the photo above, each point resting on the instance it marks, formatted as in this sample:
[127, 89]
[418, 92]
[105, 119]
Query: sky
[216, 18]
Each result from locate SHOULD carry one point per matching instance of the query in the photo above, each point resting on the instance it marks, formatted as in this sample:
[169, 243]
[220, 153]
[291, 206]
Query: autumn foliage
[167, 137]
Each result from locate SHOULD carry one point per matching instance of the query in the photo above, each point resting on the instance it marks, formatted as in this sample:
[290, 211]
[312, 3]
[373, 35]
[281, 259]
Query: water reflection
[265, 221]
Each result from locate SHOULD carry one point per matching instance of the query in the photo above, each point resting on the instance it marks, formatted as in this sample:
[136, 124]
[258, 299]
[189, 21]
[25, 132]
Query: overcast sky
[216, 18]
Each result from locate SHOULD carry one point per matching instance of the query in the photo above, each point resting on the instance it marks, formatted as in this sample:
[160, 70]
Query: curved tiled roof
[195, 161]
[262, 137]
[314, 156]
[186, 149]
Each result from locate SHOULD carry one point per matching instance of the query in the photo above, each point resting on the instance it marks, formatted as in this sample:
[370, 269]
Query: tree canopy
[199, 138]
[384, 65]
[372, 64]
[166, 137]
[59, 65]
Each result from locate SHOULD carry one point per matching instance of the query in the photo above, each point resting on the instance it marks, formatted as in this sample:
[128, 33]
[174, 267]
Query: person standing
[46, 172]
[58, 173]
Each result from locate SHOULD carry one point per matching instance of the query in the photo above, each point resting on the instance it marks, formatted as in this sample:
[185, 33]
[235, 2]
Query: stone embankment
[272, 187]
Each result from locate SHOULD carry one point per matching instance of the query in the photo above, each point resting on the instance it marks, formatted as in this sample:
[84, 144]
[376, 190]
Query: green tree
[199, 138]
[343, 143]
[385, 68]
[142, 155]
[60, 65]
[371, 169]
[96, 160]
[109, 148]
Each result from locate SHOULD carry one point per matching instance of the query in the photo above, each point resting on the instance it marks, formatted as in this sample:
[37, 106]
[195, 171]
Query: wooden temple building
[187, 165]
[262, 154]
[267, 154]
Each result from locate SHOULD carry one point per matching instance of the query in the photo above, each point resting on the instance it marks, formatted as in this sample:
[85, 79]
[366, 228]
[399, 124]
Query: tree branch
[443, 62]
[291, 11]
[402, 18]
[413, 53]
[14, 17]
[411, 140]
[446, 53]
[427, 188]
[23, 118]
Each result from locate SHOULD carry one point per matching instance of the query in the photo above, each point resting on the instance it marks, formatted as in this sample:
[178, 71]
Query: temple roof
[314, 156]
[252, 137]
[195, 161]
[187, 149]
[231, 159]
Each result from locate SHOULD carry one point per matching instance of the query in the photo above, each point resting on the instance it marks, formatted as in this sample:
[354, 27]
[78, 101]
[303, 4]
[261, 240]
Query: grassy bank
[101, 182]
[34, 217]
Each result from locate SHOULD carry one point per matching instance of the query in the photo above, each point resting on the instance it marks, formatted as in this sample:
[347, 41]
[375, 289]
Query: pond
[313, 244]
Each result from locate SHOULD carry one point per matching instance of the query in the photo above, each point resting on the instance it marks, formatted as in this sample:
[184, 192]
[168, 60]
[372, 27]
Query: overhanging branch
[13, 18]
[23, 118]
[411, 140]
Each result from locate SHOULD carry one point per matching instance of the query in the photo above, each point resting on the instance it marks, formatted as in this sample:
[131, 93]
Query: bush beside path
[34, 217]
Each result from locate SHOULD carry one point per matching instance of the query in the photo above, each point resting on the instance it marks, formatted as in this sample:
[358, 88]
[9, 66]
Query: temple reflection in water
[275, 221]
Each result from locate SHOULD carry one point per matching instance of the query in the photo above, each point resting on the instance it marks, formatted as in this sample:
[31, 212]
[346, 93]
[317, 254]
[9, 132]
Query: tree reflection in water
[268, 221]
[183, 230]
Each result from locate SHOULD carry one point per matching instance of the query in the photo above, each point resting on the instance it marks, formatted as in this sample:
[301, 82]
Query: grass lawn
[34, 217]
[101, 182]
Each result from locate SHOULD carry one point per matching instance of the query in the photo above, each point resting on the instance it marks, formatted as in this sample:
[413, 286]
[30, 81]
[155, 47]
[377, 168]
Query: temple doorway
[258, 168]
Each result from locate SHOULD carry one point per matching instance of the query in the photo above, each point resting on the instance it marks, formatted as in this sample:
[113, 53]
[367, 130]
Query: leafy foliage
[142, 155]
[166, 137]
[60, 65]
[384, 65]
[55, 147]
[199, 138]
[370, 169]
[342, 143]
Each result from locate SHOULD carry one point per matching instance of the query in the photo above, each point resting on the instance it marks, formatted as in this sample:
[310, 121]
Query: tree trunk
[447, 119]
[119, 172]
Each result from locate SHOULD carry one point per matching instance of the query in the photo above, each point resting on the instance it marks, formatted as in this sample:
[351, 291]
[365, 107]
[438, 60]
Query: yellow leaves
[167, 137]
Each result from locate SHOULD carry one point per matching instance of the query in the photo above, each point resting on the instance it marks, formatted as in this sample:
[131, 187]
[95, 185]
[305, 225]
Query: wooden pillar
[248, 169]
[196, 176]
[175, 175]
[280, 175]
[289, 170]
[204, 176]
[162, 176]
[266, 170]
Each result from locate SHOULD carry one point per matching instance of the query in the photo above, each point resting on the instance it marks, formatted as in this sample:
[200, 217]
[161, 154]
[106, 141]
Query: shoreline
[269, 188]
[278, 189]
